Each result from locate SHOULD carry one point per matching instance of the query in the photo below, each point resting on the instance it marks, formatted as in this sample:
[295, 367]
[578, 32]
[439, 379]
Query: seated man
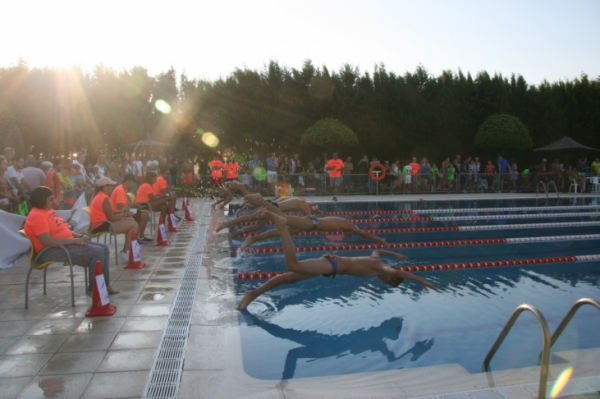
[304, 223]
[328, 266]
[145, 193]
[161, 188]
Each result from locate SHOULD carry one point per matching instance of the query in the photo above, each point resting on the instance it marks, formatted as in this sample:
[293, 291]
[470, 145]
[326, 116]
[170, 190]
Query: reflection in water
[316, 345]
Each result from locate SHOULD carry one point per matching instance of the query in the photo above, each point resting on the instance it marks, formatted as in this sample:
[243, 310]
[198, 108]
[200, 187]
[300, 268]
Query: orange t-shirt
[231, 170]
[118, 196]
[159, 185]
[218, 173]
[415, 168]
[143, 193]
[40, 221]
[338, 166]
[96, 209]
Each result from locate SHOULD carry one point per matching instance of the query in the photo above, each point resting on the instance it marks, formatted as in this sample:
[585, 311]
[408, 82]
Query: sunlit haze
[552, 40]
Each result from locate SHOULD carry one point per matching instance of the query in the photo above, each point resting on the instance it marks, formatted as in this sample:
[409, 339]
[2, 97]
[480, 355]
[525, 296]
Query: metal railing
[563, 324]
[546, 344]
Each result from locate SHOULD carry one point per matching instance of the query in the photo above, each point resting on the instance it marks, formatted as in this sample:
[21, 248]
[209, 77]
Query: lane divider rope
[465, 210]
[454, 266]
[416, 218]
[487, 241]
[450, 228]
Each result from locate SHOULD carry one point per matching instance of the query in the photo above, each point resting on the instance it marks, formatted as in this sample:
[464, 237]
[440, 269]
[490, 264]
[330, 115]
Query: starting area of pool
[348, 325]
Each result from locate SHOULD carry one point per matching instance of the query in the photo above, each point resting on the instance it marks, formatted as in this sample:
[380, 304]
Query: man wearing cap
[102, 212]
[34, 176]
[119, 201]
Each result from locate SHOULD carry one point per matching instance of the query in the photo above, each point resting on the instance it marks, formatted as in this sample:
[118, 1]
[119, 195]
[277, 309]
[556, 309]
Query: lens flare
[162, 106]
[210, 139]
[561, 382]
[259, 173]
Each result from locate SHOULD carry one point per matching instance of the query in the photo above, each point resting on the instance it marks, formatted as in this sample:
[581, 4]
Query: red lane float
[468, 210]
[454, 266]
[453, 228]
[414, 217]
[488, 241]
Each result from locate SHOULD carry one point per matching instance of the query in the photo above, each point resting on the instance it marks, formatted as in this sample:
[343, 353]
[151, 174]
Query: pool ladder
[548, 339]
[546, 187]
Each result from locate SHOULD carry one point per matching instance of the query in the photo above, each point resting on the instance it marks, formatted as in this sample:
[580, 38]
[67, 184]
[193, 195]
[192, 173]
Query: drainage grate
[165, 375]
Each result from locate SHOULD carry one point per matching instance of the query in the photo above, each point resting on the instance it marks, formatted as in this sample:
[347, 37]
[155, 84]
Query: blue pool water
[350, 325]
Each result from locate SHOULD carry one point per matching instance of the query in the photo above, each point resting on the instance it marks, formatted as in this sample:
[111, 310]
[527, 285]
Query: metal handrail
[555, 189]
[543, 186]
[545, 344]
[563, 324]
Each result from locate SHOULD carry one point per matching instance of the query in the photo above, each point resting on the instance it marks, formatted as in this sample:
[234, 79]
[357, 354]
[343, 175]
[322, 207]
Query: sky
[538, 39]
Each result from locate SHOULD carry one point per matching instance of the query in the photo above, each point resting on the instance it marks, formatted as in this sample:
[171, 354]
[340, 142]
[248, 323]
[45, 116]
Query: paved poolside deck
[52, 351]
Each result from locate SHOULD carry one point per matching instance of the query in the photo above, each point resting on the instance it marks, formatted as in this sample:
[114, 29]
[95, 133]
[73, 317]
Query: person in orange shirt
[231, 170]
[161, 188]
[216, 171]
[145, 193]
[102, 215]
[46, 229]
[335, 167]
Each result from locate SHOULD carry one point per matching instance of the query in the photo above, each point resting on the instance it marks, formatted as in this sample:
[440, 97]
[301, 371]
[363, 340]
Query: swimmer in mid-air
[297, 224]
[328, 266]
[226, 194]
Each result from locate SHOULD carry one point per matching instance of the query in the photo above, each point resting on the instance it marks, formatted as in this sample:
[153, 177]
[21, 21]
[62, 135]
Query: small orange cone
[171, 222]
[100, 305]
[161, 236]
[188, 211]
[135, 259]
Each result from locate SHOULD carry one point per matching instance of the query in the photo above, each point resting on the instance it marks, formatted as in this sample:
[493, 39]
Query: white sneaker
[124, 255]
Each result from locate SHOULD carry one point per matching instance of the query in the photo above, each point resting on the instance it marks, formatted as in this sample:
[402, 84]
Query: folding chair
[34, 263]
[111, 231]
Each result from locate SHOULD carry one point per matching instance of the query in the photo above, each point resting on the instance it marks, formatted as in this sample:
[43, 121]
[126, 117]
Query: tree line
[54, 111]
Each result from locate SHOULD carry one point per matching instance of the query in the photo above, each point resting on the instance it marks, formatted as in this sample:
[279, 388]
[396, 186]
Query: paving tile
[23, 314]
[6, 343]
[37, 344]
[22, 365]
[127, 360]
[150, 310]
[56, 386]
[137, 340]
[100, 325]
[11, 387]
[88, 342]
[54, 326]
[16, 328]
[73, 363]
[145, 323]
[124, 384]
[204, 349]
[77, 312]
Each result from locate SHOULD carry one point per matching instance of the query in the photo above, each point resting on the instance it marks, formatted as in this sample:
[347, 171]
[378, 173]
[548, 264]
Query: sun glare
[561, 382]
[162, 106]
[210, 139]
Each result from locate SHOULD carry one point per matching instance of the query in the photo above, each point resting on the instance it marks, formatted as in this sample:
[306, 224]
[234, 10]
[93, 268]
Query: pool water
[347, 325]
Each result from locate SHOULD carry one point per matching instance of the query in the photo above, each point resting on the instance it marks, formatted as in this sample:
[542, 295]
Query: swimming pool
[349, 325]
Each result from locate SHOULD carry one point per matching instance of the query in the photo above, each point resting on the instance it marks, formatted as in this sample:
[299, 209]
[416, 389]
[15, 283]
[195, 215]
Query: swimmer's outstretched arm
[379, 252]
[408, 276]
[368, 236]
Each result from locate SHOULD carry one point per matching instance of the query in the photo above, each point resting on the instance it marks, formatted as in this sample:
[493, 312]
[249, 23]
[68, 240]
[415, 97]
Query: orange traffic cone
[161, 236]
[101, 304]
[135, 259]
[188, 211]
[171, 222]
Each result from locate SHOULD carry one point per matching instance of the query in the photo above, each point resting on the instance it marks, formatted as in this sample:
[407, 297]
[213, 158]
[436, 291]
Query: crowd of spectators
[21, 174]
